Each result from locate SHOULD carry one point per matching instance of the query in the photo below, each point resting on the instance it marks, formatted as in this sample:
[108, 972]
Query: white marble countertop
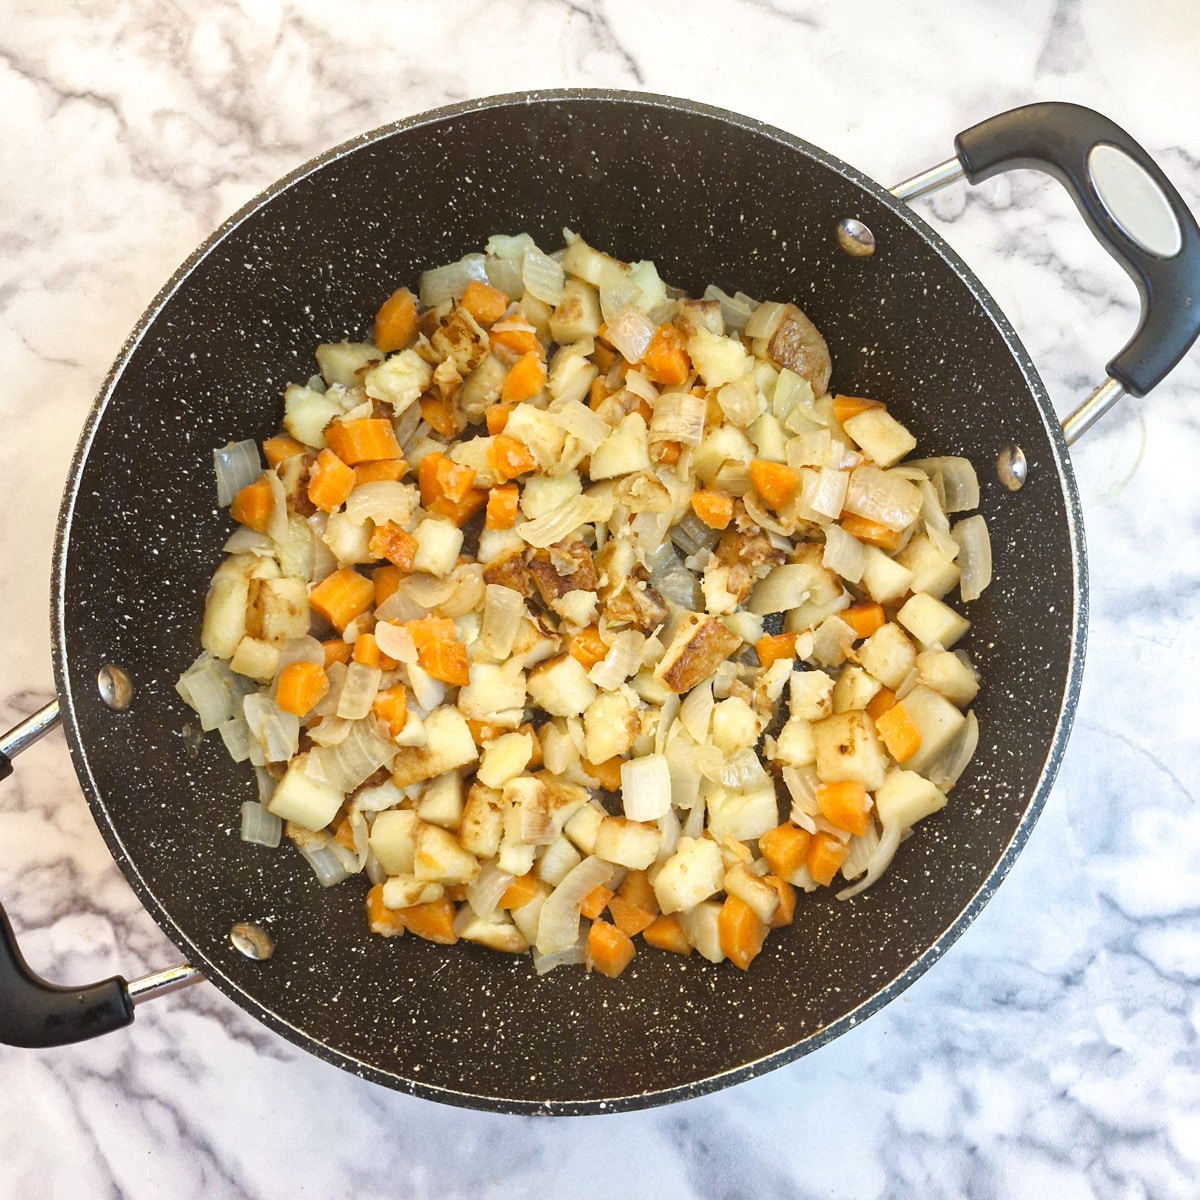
[1056, 1049]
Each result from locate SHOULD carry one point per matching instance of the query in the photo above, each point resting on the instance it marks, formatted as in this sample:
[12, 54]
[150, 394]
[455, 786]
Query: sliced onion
[765, 320]
[400, 606]
[324, 563]
[943, 542]
[743, 770]
[944, 773]
[629, 333]
[277, 522]
[554, 526]
[624, 658]
[671, 828]
[879, 861]
[331, 862]
[377, 799]
[844, 555]
[974, 555]
[960, 484]
[932, 512]
[244, 540]
[558, 925]
[237, 465]
[236, 736]
[679, 417]
[693, 825]
[542, 276]
[260, 827]
[695, 713]
[503, 612]
[489, 885]
[207, 686]
[646, 787]
[327, 705]
[266, 784]
[641, 387]
[449, 282]
[505, 274]
[572, 956]
[395, 641]
[801, 783]
[588, 429]
[883, 496]
[355, 760]
[813, 449]
[359, 691]
[382, 501]
[691, 534]
[859, 851]
[735, 310]
[305, 649]
[824, 493]
[509, 246]
[618, 292]
[330, 731]
[674, 582]
[276, 732]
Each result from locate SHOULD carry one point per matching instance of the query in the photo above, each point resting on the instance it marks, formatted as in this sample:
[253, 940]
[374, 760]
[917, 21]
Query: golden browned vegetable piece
[562, 569]
[799, 346]
[700, 645]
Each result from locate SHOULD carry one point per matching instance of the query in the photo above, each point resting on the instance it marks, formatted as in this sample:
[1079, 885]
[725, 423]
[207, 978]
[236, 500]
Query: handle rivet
[1012, 467]
[855, 238]
[252, 940]
[116, 688]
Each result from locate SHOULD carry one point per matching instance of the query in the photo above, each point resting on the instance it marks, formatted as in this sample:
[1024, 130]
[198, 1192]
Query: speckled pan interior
[710, 197]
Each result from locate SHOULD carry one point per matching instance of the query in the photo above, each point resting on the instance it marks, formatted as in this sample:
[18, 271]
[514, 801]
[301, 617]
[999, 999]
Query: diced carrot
[772, 647]
[787, 901]
[609, 950]
[666, 453]
[741, 932]
[368, 439]
[396, 321]
[596, 901]
[502, 507]
[367, 652]
[774, 482]
[440, 416]
[381, 919]
[586, 647]
[386, 581]
[395, 544]
[460, 511]
[870, 531]
[644, 409]
[433, 921]
[519, 893]
[438, 649]
[253, 504]
[509, 458]
[597, 393]
[484, 731]
[340, 597]
[826, 853]
[845, 805]
[454, 480]
[390, 469]
[485, 303]
[518, 338]
[331, 482]
[636, 889]
[280, 447]
[336, 651]
[391, 707]
[880, 703]
[607, 773]
[525, 378]
[300, 688]
[666, 359]
[785, 848]
[428, 631]
[899, 731]
[435, 473]
[428, 483]
[864, 618]
[845, 407]
[343, 834]
[714, 508]
[629, 918]
[497, 417]
[666, 933]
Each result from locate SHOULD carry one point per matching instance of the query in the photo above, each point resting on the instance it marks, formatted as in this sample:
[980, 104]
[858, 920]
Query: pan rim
[65, 682]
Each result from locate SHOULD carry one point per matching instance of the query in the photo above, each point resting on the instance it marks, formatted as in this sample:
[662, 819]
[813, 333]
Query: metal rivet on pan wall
[116, 688]
[252, 940]
[1011, 467]
[855, 238]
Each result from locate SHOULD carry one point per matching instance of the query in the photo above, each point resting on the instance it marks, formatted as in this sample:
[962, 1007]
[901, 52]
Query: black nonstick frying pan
[710, 197]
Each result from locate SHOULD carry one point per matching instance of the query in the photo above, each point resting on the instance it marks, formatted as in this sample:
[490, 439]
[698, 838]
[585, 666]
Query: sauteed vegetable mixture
[579, 615]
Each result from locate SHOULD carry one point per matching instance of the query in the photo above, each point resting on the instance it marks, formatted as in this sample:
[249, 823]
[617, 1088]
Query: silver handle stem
[31, 730]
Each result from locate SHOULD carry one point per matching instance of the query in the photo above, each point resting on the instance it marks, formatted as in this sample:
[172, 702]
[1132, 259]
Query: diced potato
[693, 873]
[741, 882]
[932, 571]
[578, 313]
[442, 801]
[888, 655]
[769, 439]
[577, 607]
[794, 745]
[735, 725]
[392, 840]
[440, 857]
[277, 609]
[341, 362]
[460, 340]
[944, 671]
[438, 544]
[718, 360]
[307, 802]
[498, 543]
[496, 693]
[931, 622]
[542, 494]
[540, 432]
[743, 815]
[627, 843]
[610, 724]
[256, 658]
[538, 807]
[561, 687]
[855, 688]
[349, 541]
[402, 891]
[624, 451]
[482, 387]
[583, 827]
[878, 433]
[937, 719]
[498, 933]
[228, 596]
[905, 798]
[725, 444]
[557, 860]
[399, 381]
[504, 758]
[448, 745]
[482, 821]
[811, 695]
[700, 645]
[702, 927]
[849, 748]
[476, 454]
[306, 413]
[884, 578]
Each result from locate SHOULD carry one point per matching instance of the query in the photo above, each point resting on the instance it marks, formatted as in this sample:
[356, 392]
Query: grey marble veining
[1054, 1050]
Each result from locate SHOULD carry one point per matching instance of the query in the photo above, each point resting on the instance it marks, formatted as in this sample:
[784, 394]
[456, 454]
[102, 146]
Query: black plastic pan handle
[1130, 206]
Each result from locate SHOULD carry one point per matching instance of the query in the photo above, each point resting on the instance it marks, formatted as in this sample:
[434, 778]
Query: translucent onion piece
[244, 540]
[679, 417]
[330, 731]
[377, 799]
[943, 542]
[428, 590]
[542, 276]
[629, 333]
[207, 687]
[259, 827]
[696, 711]
[960, 484]
[449, 282]
[236, 736]
[305, 649]
[693, 825]
[396, 642]
[355, 760]
[327, 705]
[276, 732]
[765, 320]
[509, 246]
[505, 274]
[859, 851]
[641, 387]
[883, 496]
[974, 555]
[932, 512]
[237, 465]
[489, 885]
[554, 526]
[558, 925]
[801, 783]
[359, 691]
[617, 293]
[742, 770]
[623, 659]
[844, 555]
[735, 310]
[709, 759]
[580, 422]
[646, 787]
[880, 860]
[691, 534]
[266, 784]
[330, 862]
[675, 583]
[277, 522]
[468, 591]
[401, 606]
[572, 956]
[953, 761]
[670, 827]
[323, 561]
[382, 501]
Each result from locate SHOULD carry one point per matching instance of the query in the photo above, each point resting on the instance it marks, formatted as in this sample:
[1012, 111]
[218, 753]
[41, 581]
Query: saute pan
[710, 197]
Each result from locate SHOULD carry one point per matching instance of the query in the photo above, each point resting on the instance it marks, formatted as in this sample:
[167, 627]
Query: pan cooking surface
[710, 198]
